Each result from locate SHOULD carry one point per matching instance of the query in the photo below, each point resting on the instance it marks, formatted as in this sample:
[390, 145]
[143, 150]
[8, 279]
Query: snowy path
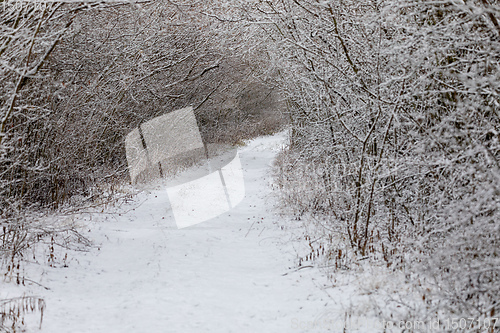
[217, 276]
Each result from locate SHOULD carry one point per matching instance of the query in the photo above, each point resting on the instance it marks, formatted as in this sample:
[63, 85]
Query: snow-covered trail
[233, 273]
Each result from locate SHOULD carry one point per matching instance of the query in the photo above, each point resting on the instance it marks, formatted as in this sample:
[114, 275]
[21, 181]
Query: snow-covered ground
[234, 273]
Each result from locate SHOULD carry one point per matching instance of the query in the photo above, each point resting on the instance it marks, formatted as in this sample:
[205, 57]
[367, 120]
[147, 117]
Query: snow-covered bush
[395, 141]
[113, 67]
[76, 78]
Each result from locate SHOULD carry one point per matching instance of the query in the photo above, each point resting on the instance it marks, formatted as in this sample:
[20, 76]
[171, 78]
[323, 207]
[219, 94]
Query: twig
[41, 285]
[298, 269]
[249, 229]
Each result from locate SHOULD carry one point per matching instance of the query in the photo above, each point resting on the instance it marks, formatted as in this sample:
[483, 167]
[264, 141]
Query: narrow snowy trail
[233, 273]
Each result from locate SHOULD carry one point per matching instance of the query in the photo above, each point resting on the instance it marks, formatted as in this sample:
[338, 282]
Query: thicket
[395, 143]
[76, 78]
[113, 68]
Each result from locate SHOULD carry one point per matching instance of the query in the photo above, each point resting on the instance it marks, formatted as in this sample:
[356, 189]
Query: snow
[234, 273]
